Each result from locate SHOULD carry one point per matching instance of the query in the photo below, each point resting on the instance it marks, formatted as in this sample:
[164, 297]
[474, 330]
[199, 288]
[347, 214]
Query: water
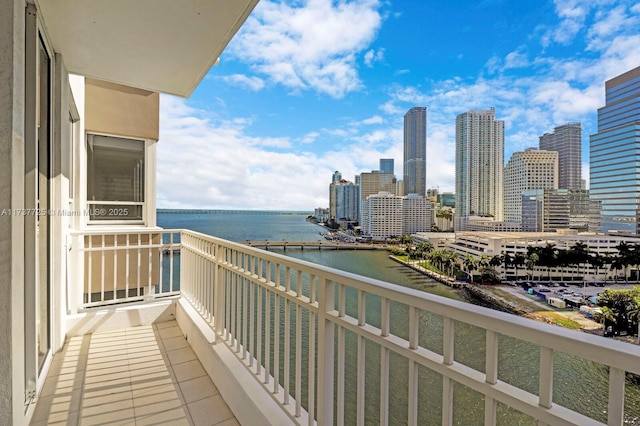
[578, 384]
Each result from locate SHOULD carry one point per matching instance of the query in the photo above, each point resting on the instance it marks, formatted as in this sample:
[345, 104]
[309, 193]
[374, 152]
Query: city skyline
[285, 108]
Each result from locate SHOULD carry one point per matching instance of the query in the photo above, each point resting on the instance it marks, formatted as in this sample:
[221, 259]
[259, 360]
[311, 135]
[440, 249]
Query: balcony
[287, 341]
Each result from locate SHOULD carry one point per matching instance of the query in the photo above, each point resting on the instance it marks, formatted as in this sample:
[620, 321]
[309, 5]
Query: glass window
[115, 178]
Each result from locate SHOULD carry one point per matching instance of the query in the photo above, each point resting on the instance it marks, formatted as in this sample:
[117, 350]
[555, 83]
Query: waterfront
[577, 385]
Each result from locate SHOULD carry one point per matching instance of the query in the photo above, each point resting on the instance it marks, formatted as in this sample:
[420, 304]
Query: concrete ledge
[120, 316]
[247, 399]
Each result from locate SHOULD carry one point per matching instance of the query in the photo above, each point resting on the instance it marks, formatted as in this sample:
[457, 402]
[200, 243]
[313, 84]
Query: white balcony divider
[309, 333]
[124, 266]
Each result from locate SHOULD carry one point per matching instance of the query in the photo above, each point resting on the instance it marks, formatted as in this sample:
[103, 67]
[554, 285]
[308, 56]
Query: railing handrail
[588, 346]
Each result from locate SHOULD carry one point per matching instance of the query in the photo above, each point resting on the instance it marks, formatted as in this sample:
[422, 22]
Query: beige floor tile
[72, 419]
[56, 407]
[165, 324]
[136, 376]
[188, 370]
[229, 422]
[54, 385]
[150, 404]
[198, 388]
[173, 343]
[181, 355]
[209, 411]
[114, 397]
[174, 417]
[124, 416]
[169, 332]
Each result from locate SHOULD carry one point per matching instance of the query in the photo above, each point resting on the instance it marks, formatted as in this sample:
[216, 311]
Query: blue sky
[309, 87]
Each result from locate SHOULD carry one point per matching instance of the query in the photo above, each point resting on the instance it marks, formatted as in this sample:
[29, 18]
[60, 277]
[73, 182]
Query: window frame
[146, 185]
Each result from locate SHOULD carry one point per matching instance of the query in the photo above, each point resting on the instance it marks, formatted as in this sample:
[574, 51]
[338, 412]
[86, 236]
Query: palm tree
[547, 257]
[518, 261]
[449, 261]
[424, 248]
[507, 260]
[597, 261]
[624, 258]
[579, 254]
[470, 263]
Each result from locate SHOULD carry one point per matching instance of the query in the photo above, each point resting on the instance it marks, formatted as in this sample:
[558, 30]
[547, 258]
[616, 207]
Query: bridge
[333, 245]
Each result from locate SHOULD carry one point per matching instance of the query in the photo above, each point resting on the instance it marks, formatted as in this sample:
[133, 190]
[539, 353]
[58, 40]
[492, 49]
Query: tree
[470, 264]
[519, 261]
[597, 261]
[621, 307]
[424, 248]
[579, 254]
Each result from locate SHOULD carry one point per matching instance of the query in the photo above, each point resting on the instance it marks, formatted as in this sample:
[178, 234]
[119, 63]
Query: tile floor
[137, 376]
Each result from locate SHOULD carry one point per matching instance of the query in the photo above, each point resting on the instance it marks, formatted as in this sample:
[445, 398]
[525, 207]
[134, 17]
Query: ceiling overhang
[164, 46]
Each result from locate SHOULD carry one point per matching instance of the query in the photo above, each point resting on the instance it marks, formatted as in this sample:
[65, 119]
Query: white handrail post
[218, 291]
[326, 330]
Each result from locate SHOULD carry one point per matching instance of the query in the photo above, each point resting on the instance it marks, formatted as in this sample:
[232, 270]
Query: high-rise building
[479, 166]
[531, 169]
[567, 141]
[344, 201]
[614, 156]
[347, 202]
[415, 151]
[370, 183]
[549, 210]
[382, 216]
[386, 165]
[417, 214]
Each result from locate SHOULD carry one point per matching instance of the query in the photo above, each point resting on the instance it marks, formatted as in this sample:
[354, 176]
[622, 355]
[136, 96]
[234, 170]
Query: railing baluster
[447, 383]
[491, 376]
[298, 374]
[252, 321]
[384, 362]
[259, 330]
[413, 368]
[276, 344]
[102, 266]
[546, 377]
[287, 349]
[267, 338]
[616, 396]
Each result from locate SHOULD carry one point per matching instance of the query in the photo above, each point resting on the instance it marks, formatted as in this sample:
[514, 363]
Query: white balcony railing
[124, 266]
[333, 348]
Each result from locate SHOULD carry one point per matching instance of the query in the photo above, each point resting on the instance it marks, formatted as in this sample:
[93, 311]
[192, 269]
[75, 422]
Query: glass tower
[415, 151]
[615, 157]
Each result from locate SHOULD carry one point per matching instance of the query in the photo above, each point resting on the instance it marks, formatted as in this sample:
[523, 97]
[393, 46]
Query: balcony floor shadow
[146, 375]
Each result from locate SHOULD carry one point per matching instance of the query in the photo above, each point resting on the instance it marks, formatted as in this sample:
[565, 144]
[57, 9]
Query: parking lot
[568, 289]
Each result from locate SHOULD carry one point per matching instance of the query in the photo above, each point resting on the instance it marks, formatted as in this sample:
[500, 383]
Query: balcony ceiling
[160, 45]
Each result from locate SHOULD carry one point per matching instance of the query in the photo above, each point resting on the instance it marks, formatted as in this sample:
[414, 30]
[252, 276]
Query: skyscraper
[567, 141]
[531, 169]
[386, 165]
[370, 183]
[479, 166]
[415, 151]
[614, 156]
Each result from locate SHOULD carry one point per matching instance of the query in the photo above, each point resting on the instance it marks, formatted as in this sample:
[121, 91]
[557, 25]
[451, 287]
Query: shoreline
[497, 302]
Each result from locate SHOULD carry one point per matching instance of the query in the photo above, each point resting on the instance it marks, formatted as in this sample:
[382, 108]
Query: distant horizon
[207, 210]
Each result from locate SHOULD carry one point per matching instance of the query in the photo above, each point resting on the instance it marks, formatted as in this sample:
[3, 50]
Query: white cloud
[376, 119]
[309, 45]
[373, 56]
[253, 83]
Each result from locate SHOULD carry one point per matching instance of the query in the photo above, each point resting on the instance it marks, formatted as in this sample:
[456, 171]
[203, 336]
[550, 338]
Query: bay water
[579, 385]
